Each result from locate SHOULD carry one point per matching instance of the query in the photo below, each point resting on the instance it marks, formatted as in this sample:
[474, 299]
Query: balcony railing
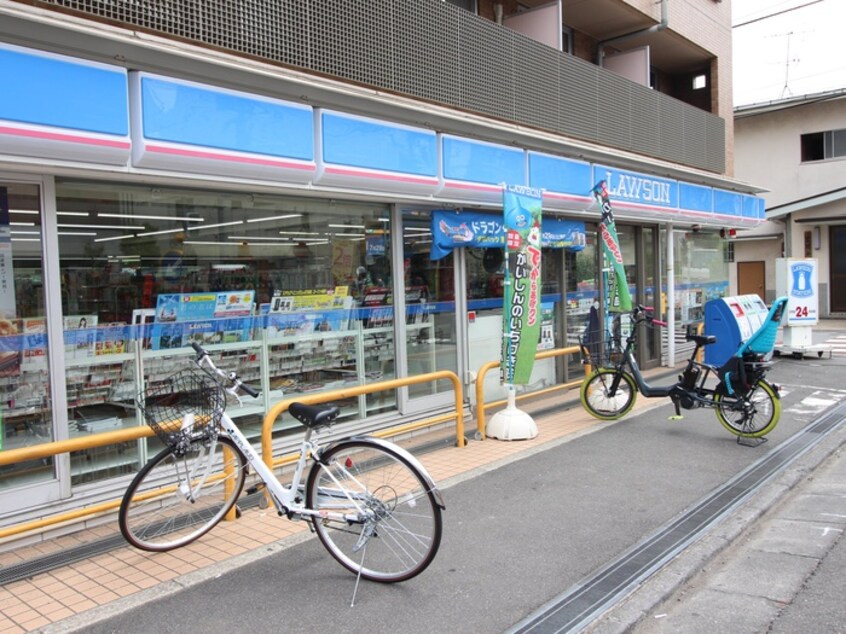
[439, 53]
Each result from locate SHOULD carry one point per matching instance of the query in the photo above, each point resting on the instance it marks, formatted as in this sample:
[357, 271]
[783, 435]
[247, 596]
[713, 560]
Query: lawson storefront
[140, 212]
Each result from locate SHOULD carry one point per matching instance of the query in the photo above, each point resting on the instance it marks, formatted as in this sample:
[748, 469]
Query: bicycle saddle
[314, 415]
[702, 340]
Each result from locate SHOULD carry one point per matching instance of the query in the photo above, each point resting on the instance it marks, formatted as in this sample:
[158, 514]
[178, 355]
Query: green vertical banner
[521, 314]
[619, 299]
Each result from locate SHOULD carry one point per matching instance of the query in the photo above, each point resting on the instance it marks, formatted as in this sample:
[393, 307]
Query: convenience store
[140, 211]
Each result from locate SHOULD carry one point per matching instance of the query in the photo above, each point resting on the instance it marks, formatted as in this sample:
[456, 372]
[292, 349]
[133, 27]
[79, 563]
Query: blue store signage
[451, 229]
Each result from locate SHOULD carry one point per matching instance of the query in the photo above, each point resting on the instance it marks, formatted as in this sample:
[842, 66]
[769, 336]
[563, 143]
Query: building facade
[795, 148]
[269, 178]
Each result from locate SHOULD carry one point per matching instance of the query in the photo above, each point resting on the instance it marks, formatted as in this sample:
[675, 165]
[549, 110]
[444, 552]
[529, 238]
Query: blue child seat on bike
[763, 340]
[761, 343]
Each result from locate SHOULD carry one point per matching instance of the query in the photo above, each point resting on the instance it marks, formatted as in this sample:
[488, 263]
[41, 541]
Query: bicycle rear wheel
[178, 497]
[753, 415]
[379, 515]
[596, 394]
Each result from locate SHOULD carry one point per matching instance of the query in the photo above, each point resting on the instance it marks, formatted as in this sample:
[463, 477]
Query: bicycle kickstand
[678, 414]
[358, 576]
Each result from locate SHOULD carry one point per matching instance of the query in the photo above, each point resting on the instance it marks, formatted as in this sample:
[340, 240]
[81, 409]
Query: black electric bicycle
[745, 403]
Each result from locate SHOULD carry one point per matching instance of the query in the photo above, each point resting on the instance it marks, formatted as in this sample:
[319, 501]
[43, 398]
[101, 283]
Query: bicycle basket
[184, 408]
[600, 354]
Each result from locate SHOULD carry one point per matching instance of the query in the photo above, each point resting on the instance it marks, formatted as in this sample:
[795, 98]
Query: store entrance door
[431, 338]
[648, 274]
[26, 401]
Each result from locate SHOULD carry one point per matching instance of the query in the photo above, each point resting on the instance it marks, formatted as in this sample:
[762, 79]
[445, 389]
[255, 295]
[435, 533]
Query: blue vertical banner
[521, 306]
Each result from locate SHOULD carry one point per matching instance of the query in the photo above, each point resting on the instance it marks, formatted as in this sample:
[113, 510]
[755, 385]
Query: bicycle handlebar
[646, 312]
[203, 358]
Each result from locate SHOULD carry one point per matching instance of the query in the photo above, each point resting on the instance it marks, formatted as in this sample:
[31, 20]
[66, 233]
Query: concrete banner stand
[511, 423]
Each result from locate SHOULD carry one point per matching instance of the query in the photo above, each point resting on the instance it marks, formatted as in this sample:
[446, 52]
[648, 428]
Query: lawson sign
[634, 189]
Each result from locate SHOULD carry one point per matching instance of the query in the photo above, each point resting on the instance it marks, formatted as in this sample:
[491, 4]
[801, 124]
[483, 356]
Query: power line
[772, 15]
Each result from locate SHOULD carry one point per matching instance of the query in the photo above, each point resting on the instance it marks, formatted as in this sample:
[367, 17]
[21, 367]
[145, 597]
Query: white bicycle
[372, 504]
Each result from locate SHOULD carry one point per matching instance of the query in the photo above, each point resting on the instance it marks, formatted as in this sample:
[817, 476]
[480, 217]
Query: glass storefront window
[301, 284]
[25, 399]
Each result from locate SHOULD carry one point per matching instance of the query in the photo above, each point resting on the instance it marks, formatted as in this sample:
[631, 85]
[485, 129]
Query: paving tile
[7, 626]
[34, 623]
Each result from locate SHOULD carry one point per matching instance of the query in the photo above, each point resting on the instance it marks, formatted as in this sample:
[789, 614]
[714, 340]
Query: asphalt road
[514, 537]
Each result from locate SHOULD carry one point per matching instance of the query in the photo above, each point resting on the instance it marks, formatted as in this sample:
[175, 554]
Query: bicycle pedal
[675, 417]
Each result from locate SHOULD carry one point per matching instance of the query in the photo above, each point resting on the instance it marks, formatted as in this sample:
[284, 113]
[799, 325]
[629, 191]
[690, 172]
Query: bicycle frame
[285, 498]
[649, 391]
[695, 394]
[685, 395]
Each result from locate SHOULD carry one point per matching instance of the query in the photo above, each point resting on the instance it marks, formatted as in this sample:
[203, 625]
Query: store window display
[301, 285]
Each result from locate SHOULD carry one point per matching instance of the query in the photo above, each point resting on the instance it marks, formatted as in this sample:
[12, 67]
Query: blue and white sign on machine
[798, 279]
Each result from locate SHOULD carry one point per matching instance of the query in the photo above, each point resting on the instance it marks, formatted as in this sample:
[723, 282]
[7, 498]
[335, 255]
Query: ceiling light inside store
[348, 235]
[299, 233]
[77, 233]
[130, 235]
[229, 267]
[115, 227]
[22, 224]
[140, 217]
[347, 226]
[213, 242]
[158, 233]
[285, 217]
[219, 224]
[84, 214]
[243, 238]
[26, 239]
[28, 212]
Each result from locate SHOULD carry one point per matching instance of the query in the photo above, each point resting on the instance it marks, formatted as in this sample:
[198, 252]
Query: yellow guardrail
[325, 397]
[50, 449]
[481, 406]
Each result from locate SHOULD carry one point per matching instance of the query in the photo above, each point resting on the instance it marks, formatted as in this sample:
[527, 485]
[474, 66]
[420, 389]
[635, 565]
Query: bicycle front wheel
[751, 416]
[378, 514]
[597, 398]
[178, 497]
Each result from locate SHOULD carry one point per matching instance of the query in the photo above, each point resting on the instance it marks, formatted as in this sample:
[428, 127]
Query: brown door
[837, 259]
[750, 279]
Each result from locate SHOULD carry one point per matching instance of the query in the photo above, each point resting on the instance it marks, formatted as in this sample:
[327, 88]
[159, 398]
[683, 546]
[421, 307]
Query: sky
[797, 52]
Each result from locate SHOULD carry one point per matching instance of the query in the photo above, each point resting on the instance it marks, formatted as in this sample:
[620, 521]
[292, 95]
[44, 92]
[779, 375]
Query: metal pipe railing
[50, 449]
[323, 397]
[481, 406]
